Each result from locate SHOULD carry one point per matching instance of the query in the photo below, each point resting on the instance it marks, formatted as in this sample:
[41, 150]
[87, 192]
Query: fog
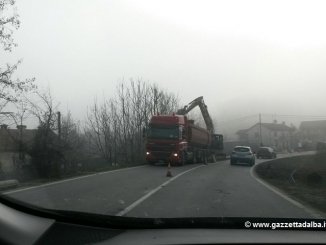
[244, 57]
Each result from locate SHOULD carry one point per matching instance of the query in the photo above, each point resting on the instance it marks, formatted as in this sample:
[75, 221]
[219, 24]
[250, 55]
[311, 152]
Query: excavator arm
[217, 139]
[203, 108]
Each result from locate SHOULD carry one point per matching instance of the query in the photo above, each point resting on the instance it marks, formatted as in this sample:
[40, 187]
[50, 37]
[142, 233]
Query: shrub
[314, 178]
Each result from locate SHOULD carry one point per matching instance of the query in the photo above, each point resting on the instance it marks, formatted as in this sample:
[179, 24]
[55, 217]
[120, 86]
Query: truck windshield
[163, 132]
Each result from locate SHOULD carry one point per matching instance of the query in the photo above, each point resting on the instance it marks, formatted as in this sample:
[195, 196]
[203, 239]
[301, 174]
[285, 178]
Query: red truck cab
[166, 138]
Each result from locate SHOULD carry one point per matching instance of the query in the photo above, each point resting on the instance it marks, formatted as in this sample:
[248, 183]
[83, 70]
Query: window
[256, 135]
[275, 134]
[242, 149]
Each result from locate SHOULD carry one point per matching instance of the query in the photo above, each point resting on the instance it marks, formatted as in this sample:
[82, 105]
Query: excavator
[216, 146]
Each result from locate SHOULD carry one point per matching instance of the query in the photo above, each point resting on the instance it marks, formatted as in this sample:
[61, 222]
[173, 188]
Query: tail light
[250, 153]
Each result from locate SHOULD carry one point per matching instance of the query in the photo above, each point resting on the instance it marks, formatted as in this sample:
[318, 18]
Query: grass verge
[303, 178]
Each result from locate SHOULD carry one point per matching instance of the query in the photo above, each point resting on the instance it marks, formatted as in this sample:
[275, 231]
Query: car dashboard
[21, 225]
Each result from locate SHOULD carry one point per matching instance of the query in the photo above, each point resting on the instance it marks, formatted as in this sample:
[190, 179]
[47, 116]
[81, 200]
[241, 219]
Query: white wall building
[277, 136]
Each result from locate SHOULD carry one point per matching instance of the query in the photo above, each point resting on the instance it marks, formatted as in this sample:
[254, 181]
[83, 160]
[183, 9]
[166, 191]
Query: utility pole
[261, 137]
[59, 127]
[21, 139]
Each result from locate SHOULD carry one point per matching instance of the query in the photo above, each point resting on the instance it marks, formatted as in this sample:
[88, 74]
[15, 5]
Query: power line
[237, 120]
[272, 115]
[294, 116]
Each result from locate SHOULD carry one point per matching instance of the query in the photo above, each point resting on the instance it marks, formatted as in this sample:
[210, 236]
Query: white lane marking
[132, 206]
[309, 210]
[67, 180]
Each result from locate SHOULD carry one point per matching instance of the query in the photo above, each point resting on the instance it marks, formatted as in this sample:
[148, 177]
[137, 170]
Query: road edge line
[312, 211]
[67, 180]
[136, 203]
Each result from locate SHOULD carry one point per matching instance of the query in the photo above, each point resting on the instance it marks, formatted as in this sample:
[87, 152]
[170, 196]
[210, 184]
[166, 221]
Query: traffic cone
[168, 174]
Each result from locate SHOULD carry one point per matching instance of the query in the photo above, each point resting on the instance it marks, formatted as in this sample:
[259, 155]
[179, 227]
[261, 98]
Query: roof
[241, 131]
[9, 138]
[275, 127]
[320, 124]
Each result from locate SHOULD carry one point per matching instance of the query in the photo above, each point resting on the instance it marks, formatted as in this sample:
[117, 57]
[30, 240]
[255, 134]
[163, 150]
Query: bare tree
[10, 89]
[45, 151]
[7, 23]
[19, 117]
[99, 130]
[114, 127]
[72, 142]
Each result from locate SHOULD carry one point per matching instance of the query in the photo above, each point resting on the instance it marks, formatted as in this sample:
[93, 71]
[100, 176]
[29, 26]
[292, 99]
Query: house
[242, 134]
[313, 130]
[12, 141]
[277, 136]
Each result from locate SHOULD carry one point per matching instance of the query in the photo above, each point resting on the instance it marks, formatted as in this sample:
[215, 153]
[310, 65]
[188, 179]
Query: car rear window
[241, 149]
[263, 149]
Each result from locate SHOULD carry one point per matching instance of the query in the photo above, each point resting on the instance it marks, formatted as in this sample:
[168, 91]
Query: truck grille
[162, 145]
[161, 154]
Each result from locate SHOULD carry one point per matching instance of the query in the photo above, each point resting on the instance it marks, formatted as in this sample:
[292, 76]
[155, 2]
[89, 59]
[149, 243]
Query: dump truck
[175, 139]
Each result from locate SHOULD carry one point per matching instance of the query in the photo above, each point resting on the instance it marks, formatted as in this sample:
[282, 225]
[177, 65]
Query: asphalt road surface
[195, 190]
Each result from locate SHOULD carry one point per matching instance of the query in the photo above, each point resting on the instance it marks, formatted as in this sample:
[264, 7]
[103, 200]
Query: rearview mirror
[183, 134]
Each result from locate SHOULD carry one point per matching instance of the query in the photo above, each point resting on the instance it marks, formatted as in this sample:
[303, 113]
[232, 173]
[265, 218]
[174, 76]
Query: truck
[175, 139]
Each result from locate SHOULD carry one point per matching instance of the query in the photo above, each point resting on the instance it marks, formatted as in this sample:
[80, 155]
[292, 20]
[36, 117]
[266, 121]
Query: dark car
[266, 152]
[242, 154]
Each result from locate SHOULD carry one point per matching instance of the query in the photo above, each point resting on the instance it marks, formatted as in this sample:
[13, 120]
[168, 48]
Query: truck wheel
[194, 157]
[206, 158]
[202, 158]
[183, 158]
[199, 157]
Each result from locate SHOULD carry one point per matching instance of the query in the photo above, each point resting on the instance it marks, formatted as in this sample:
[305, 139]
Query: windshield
[158, 132]
[90, 93]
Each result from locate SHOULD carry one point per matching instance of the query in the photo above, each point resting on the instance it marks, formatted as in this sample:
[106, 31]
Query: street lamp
[261, 137]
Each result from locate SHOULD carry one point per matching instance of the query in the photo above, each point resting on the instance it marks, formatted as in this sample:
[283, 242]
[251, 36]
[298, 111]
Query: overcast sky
[244, 57]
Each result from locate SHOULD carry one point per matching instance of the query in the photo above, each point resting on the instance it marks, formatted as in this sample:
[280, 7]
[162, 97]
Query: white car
[242, 154]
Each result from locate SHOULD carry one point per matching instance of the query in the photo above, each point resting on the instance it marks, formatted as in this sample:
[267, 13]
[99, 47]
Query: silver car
[242, 154]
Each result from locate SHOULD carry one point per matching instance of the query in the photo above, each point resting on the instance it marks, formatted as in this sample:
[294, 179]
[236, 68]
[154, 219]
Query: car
[242, 154]
[266, 152]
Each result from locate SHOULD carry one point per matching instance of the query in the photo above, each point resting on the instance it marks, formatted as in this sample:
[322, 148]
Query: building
[242, 134]
[12, 143]
[277, 136]
[313, 130]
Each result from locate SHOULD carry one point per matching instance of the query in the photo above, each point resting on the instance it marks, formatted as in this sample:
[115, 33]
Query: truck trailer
[176, 140]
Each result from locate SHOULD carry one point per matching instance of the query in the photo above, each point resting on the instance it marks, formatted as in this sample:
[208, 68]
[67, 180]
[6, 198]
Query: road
[195, 190]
